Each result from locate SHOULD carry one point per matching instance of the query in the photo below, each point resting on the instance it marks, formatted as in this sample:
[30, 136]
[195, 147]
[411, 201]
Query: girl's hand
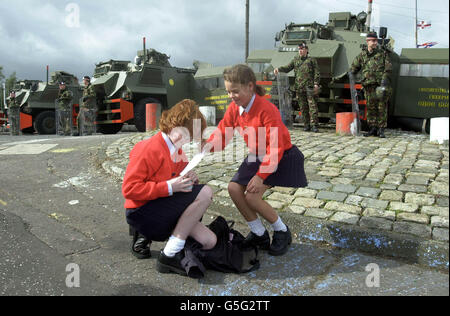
[255, 185]
[206, 147]
[181, 184]
[192, 176]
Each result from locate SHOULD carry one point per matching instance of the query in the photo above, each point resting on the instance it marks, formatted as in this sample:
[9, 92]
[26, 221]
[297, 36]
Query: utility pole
[3, 95]
[247, 17]
[415, 27]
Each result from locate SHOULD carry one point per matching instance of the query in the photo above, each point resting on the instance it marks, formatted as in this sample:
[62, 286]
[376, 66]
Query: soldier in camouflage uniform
[64, 111]
[376, 68]
[88, 109]
[14, 114]
[307, 79]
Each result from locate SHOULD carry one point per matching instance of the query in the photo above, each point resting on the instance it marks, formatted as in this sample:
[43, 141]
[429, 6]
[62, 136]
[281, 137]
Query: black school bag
[227, 256]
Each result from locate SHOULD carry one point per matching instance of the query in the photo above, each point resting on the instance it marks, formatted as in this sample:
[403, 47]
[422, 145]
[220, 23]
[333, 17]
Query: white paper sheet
[192, 164]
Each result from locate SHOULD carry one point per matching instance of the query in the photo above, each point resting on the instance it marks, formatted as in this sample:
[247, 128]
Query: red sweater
[262, 129]
[148, 171]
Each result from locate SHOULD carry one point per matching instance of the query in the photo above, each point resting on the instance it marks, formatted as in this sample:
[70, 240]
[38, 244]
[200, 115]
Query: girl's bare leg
[251, 204]
[189, 223]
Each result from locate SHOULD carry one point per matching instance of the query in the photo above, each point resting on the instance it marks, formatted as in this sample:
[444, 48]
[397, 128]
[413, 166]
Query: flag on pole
[423, 24]
[427, 44]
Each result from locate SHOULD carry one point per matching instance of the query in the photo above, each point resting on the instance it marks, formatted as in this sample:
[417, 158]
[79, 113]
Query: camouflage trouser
[308, 105]
[376, 109]
[14, 120]
[63, 121]
[86, 121]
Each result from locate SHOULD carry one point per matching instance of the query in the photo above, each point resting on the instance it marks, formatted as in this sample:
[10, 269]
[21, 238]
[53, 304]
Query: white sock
[279, 225]
[257, 227]
[173, 246]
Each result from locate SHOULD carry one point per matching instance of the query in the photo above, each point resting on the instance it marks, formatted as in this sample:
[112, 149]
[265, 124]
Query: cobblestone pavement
[398, 184]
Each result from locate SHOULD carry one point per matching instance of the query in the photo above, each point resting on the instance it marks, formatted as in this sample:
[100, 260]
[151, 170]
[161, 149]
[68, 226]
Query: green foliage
[2, 76]
[10, 82]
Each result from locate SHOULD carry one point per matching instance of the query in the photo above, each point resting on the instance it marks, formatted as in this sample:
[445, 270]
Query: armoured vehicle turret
[123, 89]
[37, 101]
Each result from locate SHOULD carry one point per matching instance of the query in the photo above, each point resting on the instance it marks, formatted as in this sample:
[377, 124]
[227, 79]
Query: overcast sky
[74, 35]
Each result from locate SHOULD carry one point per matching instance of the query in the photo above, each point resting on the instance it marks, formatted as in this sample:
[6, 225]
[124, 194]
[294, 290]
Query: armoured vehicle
[419, 78]
[124, 88]
[334, 45]
[37, 101]
[422, 87]
[21, 88]
[210, 88]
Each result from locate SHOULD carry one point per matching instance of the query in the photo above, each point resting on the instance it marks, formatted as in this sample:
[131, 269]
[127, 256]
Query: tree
[2, 76]
[10, 82]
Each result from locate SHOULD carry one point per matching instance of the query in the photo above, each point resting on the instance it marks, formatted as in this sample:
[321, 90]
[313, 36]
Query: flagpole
[416, 26]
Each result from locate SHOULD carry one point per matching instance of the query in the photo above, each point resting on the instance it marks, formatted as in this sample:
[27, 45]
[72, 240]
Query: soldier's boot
[372, 132]
[315, 129]
[307, 128]
[381, 133]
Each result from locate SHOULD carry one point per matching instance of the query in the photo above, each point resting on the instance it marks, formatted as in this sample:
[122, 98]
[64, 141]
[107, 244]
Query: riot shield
[284, 100]
[355, 127]
[14, 120]
[87, 122]
[63, 122]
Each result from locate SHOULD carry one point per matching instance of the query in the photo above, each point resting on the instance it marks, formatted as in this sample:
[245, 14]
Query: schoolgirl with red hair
[160, 204]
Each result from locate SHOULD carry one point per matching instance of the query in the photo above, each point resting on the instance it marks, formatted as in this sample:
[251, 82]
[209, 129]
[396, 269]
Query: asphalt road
[63, 232]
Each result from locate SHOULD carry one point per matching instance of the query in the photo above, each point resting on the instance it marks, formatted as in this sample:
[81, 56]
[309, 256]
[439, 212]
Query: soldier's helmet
[87, 78]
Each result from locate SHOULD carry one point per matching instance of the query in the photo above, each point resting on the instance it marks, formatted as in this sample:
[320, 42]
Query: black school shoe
[253, 240]
[171, 264]
[140, 246]
[280, 242]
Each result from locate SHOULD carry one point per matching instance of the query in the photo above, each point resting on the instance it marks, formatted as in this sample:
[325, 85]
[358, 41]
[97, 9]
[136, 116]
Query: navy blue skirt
[290, 172]
[157, 219]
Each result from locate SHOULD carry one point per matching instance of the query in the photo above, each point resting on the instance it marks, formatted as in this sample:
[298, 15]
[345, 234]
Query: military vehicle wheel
[139, 113]
[44, 123]
[109, 128]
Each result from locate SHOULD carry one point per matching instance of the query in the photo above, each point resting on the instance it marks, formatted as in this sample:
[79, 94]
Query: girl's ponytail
[260, 91]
